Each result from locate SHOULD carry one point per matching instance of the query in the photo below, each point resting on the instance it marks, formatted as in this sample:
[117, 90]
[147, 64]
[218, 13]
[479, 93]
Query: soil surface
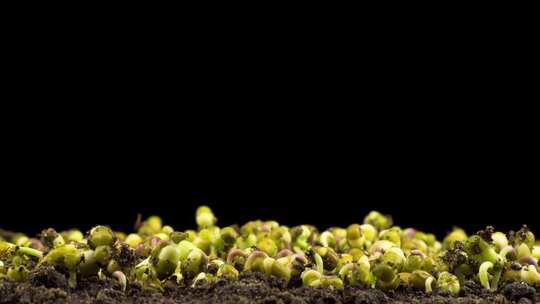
[49, 286]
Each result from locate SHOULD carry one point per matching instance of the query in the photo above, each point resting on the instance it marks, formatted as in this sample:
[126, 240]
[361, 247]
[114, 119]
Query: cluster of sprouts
[374, 254]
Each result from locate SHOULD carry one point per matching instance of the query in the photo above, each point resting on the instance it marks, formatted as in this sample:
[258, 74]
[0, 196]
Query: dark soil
[49, 286]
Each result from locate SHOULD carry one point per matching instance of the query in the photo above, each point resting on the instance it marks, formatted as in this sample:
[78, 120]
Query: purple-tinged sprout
[37, 244]
[409, 233]
[121, 277]
[528, 260]
[255, 260]
[300, 257]
[418, 252]
[234, 254]
[284, 253]
[381, 246]
[499, 240]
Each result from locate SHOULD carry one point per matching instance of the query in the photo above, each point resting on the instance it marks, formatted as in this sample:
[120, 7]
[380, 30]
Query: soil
[46, 285]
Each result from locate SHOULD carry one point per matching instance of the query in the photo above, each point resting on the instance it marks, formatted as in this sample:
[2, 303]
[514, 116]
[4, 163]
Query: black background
[328, 130]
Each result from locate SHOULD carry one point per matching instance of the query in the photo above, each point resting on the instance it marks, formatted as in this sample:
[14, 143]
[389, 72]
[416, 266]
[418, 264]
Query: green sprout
[227, 271]
[101, 236]
[205, 217]
[195, 263]
[530, 275]
[166, 260]
[457, 235]
[480, 250]
[355, 238]
[448, 282]
[378, 220]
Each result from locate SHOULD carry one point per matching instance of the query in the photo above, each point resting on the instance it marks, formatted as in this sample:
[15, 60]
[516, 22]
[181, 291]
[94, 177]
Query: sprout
[255, 261]
[448, 282]
[88, 265]
[536, 252]
[267, 245]
[167, 260]
[500, 240]
[480, 251]
[205, 217]
[195, 263]
[121, 277]
[278, 268]
[227, 271]
[530, 275]
[51, 238]
[387, 278]
[300, 236]
[355, 238]
[413, 262]
[228, 235]
[103, 255]
[200, 278]
[331, 282]
[66, 257]
[421, 280]
[380, 246]
[74, 235]
[151, 226]
[483, 275]
[133, 240]
[355, 273]
[457, 235]
[310, 276]
[28, 252]
[394, 257]
[329, 257]
[392, 235]
[327, 239]
[18, 273]
[101, 236]
[378, 220]
[524, 236]
[369, 232]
